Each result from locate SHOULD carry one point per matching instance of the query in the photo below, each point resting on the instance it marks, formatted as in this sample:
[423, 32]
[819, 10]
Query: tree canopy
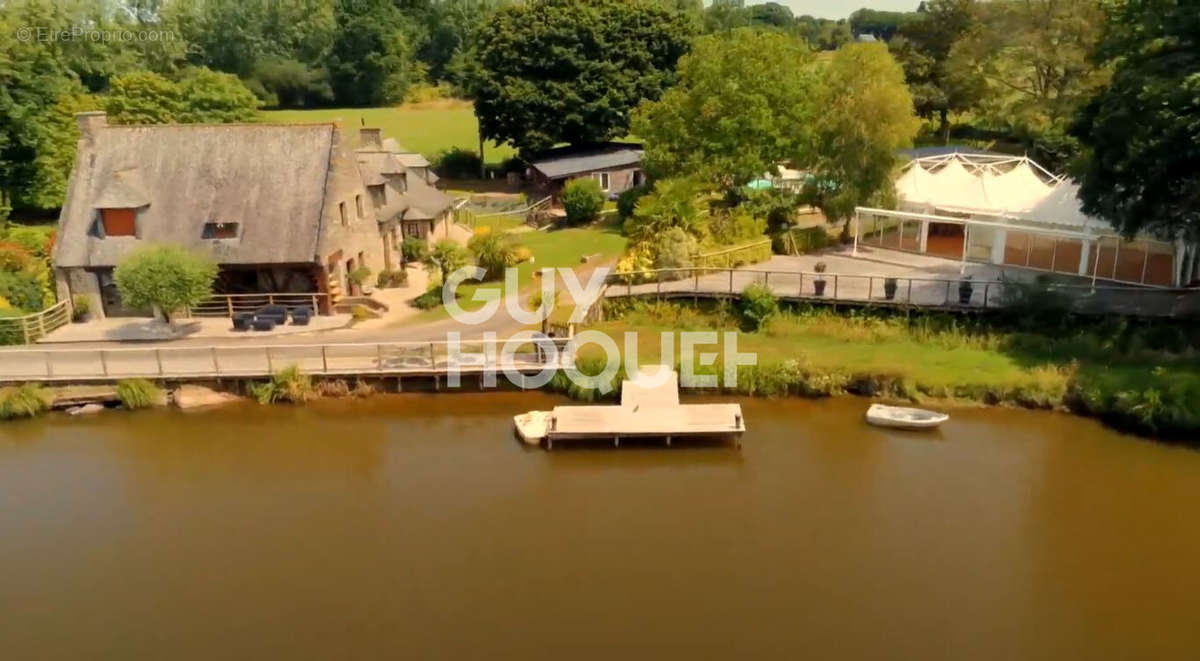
[1032, 62]
[1142, 129]
[866, 117]
[166, 277]
[743, 104]
[554, 71]
[922, 45]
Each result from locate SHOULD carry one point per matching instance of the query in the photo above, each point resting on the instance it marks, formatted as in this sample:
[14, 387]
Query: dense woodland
[1058, 79]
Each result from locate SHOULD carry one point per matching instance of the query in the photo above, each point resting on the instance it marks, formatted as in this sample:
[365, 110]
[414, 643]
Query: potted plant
[819, 283]
[889, 288]
[81, 309]
[965, 289]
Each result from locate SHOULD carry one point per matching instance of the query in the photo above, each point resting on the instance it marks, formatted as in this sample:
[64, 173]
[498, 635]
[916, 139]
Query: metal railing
[229, 361]
[925, 292]
[31, 327]
[226, 305]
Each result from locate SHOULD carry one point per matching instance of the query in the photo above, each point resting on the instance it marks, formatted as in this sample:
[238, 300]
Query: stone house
[280, 208]
[617, 166]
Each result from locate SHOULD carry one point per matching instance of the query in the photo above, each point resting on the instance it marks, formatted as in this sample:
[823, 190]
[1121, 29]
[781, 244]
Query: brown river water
[416, 527]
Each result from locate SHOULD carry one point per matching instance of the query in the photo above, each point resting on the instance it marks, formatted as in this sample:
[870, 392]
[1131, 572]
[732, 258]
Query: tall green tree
[867, 116]
[922, 45]
[200, 96]
[744, 103]
[1143, 129]
[1032, 59]
[554, 71]
[372, 60]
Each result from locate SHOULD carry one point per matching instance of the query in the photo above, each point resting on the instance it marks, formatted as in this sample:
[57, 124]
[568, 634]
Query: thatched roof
[269, 178]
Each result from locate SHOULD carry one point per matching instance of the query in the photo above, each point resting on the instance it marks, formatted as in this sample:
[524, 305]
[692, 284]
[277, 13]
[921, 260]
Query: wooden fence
[226, 305]
[31, 327]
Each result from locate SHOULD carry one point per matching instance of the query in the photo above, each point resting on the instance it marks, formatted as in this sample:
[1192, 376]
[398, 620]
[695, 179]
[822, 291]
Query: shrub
[139, 394]
[582, 199]
[414, 249]
[289, 385]
[522, 254]
[492, 251]
[362, 389]
[360, 313]
[446, 257]
[14, 257]
[627, 200]
[674, 249]
[430, 299]
[458, 163]
[757, 305]
[37, 241]
[80, 307]
[672, 203]
[393, 278]
[22, 290]
[333, 388]
[23, 401]
[167, 277]
[820, 267]
[359, 275]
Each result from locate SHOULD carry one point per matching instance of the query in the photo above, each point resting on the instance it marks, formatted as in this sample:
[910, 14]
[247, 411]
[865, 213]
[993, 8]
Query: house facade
[616, 166]
[280, 208]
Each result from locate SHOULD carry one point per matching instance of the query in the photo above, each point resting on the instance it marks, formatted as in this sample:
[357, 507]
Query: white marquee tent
[1009, 210]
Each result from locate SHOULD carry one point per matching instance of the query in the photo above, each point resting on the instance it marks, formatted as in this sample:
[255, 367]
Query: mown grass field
[427, 129]
[551, 249]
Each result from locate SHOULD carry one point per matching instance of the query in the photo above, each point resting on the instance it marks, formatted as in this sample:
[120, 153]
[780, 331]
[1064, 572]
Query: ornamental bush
[166, 277]
[582, 199]
[757, 305]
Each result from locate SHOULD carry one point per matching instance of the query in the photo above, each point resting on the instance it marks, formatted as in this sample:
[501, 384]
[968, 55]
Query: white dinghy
[899, 417]
[532, 426]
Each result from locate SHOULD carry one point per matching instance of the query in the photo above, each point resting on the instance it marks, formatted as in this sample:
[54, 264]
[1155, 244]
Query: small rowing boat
[899, 417]
[532, 426]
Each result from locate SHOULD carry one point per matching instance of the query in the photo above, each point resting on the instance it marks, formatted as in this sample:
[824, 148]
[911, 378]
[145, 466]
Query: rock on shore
[193, 396]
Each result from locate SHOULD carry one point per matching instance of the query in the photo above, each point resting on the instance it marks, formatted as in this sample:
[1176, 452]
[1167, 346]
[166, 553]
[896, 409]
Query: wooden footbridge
[436, 362]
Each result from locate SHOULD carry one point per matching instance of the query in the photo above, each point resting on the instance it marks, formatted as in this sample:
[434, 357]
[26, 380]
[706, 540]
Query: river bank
[1122, 374]
[1125, 375]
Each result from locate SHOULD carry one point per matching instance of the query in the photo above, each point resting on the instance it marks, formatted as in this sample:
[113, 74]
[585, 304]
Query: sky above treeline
[842, 8]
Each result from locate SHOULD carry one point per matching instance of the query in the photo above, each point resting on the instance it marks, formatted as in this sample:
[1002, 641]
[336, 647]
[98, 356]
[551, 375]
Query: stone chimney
[371, 138]
[90, 122]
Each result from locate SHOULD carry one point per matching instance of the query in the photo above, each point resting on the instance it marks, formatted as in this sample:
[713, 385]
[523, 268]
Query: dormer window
[378, 195]
[220, 231]
[119, 222]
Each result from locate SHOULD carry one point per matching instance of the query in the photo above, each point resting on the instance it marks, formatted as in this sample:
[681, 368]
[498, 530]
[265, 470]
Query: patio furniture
[301, 316]
[276, 313]
[263, 324]
[241, 321]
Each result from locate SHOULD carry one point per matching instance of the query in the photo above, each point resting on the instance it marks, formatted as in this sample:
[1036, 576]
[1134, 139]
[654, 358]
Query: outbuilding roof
[572, 160]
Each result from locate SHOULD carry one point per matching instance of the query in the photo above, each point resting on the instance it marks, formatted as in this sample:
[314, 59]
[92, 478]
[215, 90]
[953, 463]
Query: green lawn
[551, 249]
[424, 130]
[835, 344]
